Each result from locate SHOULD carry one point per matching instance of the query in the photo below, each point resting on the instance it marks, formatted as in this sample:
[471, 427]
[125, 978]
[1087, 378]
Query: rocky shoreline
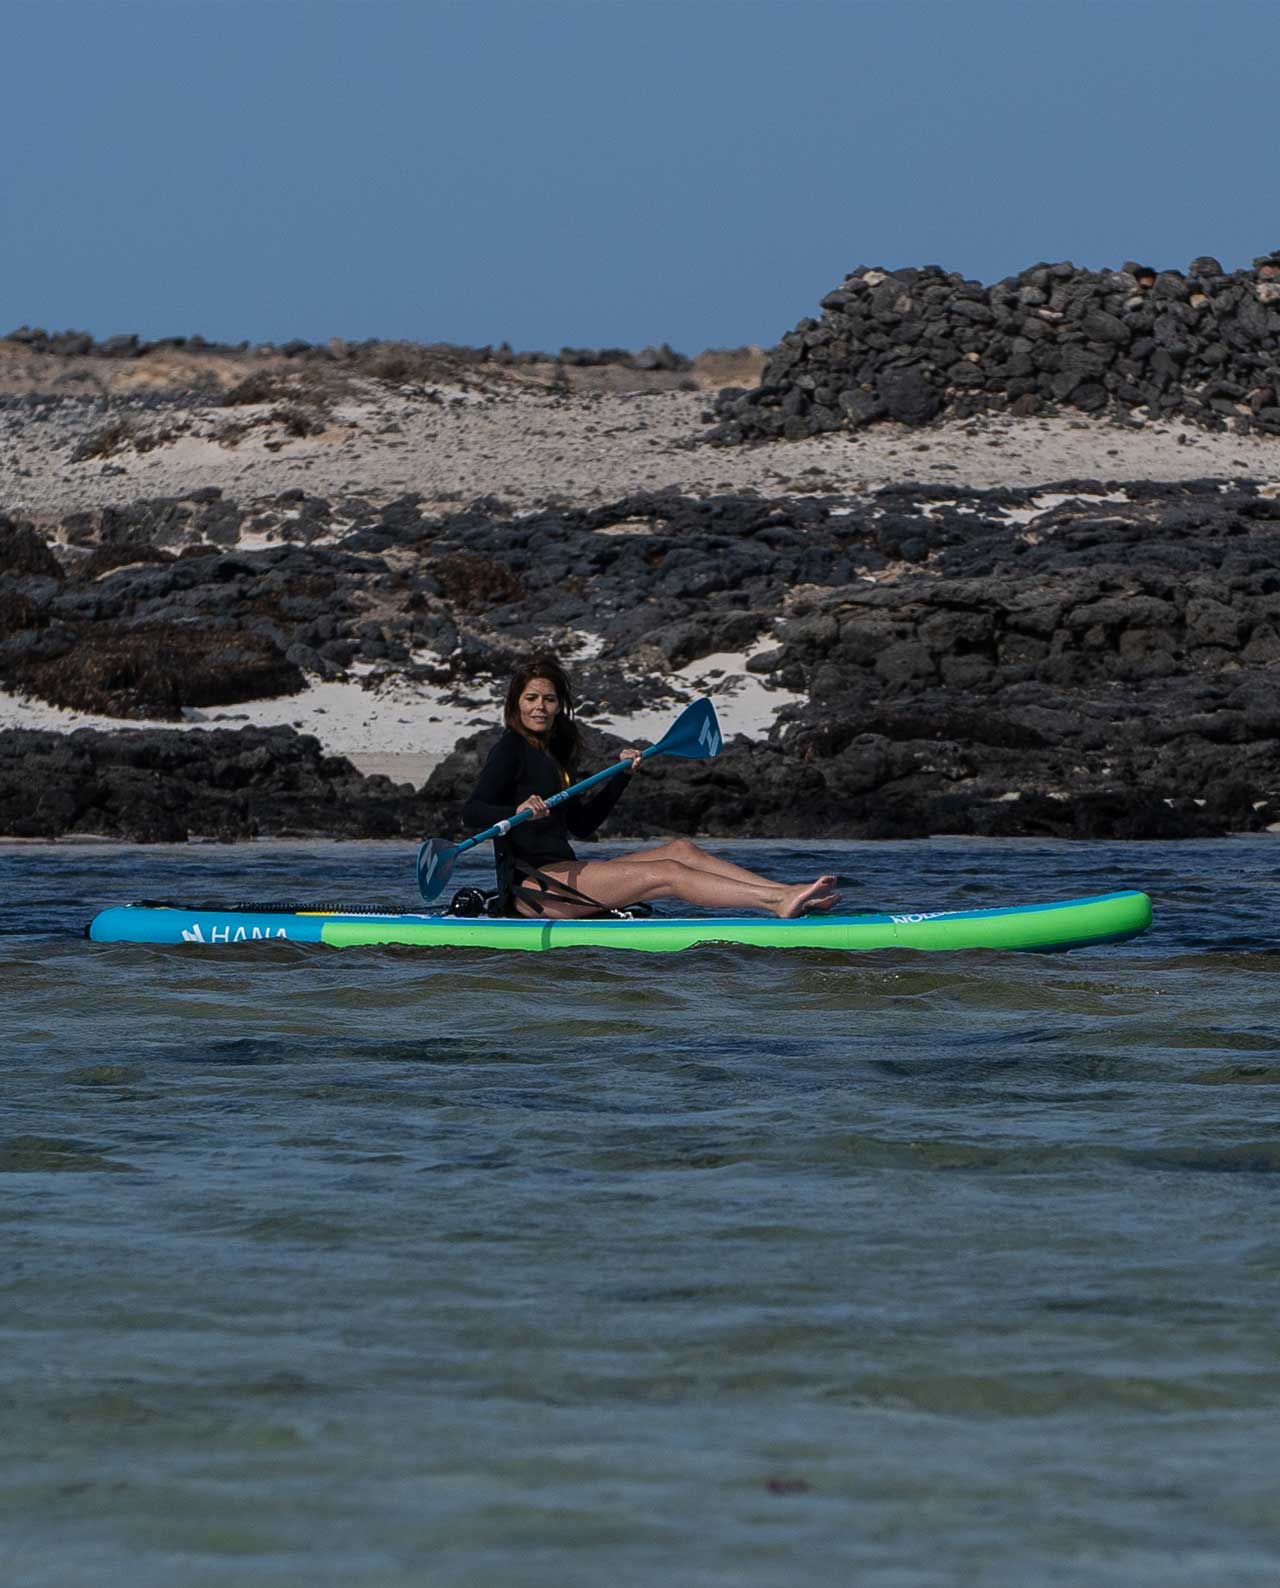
[1070, 661]
[231, 577]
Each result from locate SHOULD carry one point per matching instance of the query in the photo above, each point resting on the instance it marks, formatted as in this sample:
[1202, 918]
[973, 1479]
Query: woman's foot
[808, 897]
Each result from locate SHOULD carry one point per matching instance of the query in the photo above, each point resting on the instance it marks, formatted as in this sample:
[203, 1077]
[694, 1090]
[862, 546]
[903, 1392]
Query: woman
[538, 872]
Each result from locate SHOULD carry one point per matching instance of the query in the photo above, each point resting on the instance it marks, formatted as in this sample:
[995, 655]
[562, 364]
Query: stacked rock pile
[916, 345]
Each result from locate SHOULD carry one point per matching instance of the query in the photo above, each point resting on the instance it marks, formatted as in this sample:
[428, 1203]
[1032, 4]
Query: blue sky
[606, 172]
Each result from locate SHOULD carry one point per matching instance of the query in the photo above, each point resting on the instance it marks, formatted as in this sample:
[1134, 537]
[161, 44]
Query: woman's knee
[683, 851]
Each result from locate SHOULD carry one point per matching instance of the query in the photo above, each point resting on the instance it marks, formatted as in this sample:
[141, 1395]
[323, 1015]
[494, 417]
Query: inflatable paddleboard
[1069, 923]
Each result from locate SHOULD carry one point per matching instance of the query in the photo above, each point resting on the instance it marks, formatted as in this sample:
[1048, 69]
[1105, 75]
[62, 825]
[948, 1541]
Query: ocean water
[380, 1268]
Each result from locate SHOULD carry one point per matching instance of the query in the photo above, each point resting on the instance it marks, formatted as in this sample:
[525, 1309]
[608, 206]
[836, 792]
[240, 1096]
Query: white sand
[533, 449]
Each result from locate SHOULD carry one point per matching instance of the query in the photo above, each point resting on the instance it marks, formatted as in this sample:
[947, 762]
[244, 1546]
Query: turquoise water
[735, 1268]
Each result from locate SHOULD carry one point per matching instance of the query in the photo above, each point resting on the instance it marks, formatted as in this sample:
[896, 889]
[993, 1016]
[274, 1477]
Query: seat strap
[558, 888]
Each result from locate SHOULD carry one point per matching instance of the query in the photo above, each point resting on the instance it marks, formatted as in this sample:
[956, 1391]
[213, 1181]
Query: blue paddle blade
[695, 734]
[435, 867]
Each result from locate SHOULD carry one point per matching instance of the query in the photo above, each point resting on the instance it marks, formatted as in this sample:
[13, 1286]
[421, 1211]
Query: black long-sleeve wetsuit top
[515, 770]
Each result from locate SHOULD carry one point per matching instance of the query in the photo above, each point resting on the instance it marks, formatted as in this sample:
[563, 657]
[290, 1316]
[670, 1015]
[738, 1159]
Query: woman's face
[539, 704]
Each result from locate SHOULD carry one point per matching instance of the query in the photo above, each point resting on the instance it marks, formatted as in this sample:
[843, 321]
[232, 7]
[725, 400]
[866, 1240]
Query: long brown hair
[564, 740]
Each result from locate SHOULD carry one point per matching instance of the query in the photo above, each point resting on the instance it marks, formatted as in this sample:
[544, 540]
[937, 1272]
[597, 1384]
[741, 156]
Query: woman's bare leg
[690, 854]
[616, 883]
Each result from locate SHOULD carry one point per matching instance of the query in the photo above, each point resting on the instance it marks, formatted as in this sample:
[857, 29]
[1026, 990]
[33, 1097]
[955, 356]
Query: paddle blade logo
[429, 859]
[710, 737]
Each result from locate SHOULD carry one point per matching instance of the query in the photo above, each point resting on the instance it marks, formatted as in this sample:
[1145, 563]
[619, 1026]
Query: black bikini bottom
[557, 888]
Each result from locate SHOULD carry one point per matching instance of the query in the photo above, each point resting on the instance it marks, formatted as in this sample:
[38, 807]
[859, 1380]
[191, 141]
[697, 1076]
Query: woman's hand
[630, 754]
[535, 805]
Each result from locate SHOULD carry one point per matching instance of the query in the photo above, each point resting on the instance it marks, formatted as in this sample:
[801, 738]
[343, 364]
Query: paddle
[695, 735]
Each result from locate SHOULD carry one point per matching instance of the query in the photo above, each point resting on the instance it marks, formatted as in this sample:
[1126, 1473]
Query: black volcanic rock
[1083, 658]
[165, 786]
[907, 395]
[24, 552]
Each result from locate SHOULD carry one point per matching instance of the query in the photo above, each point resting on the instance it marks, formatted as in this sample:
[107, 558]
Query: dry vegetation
[151, 670]
[123, 435]
[261, 375]
[475, 583]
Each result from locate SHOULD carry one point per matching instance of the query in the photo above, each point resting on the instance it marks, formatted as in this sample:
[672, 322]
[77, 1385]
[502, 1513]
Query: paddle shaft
[500, 829]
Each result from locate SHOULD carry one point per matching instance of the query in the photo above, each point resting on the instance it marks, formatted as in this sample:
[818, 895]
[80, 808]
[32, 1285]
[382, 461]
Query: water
[384, 1268]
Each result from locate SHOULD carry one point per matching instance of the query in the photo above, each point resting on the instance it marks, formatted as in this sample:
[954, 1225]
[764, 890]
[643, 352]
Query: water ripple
[379, 1267]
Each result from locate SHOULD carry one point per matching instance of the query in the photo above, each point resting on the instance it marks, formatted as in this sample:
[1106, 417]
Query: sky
[606, 172]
